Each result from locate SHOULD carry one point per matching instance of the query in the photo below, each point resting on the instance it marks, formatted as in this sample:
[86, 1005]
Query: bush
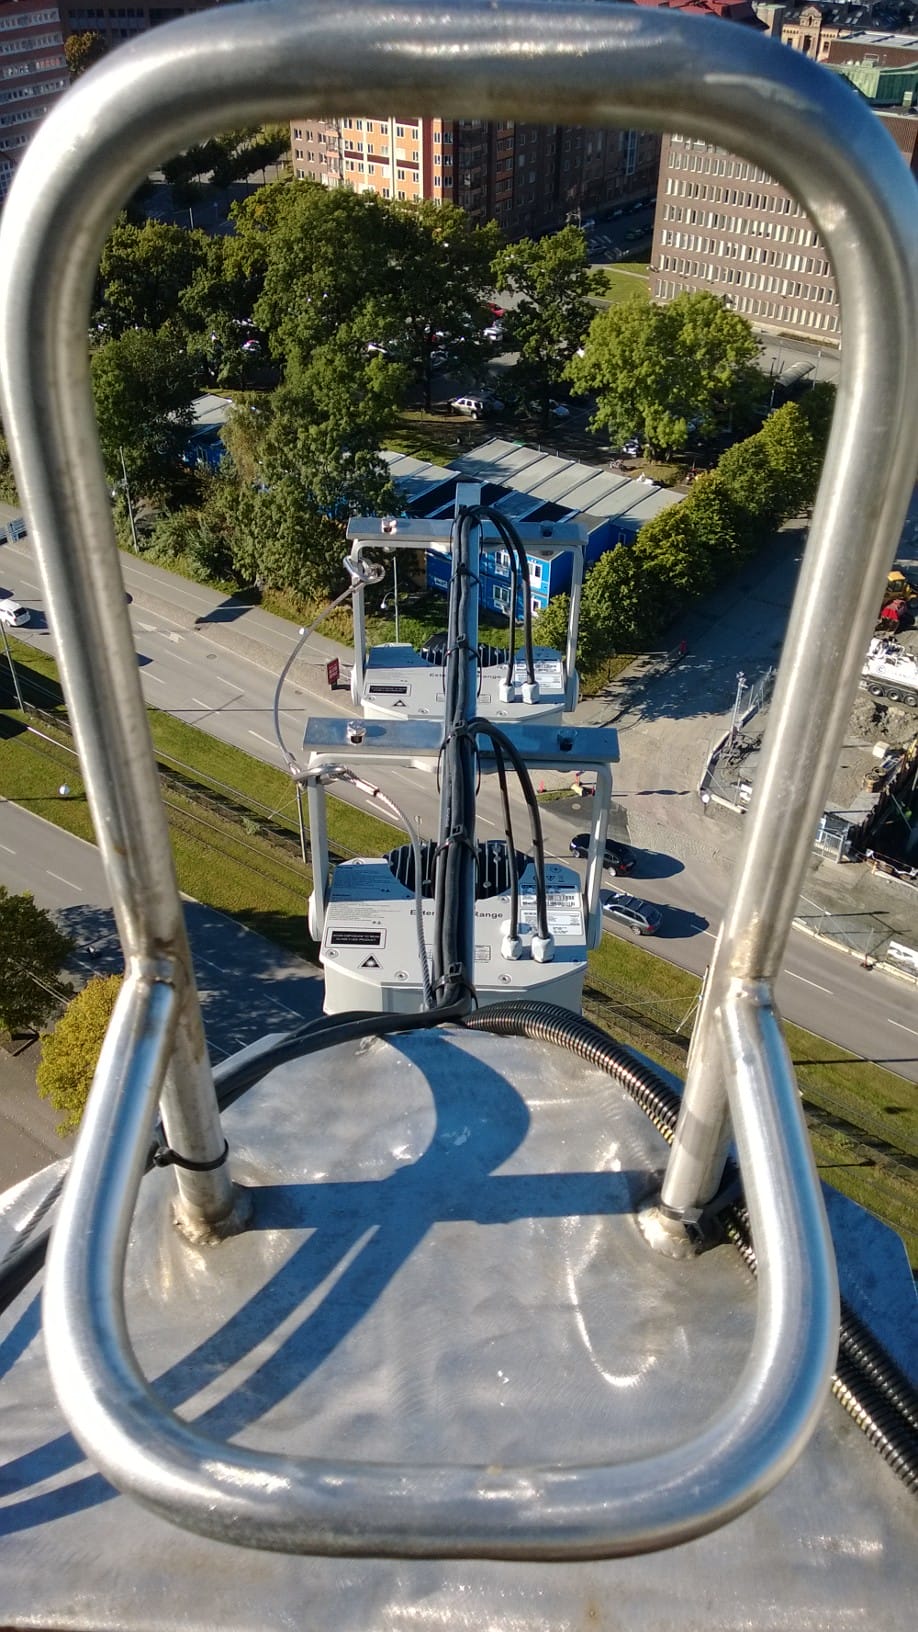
[70, 1053]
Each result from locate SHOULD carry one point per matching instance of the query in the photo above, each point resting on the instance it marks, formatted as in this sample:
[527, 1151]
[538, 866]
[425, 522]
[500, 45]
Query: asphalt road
[189, 670]
[248, 986]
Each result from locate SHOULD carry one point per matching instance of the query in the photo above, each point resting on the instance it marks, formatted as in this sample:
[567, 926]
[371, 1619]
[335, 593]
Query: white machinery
[891, 668]
[396, 682]
[363, 914]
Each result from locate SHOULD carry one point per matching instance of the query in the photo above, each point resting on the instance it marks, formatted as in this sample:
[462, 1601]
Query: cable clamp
[165, 1156]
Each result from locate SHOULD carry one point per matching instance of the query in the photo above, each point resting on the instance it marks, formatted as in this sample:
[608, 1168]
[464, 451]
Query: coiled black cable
[867, 1382]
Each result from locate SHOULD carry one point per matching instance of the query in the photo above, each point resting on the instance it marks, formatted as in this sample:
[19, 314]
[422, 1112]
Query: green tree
[214, 307]
[315, 459]
[754, 484]
[82, 50]
[679, 563]
[553, 281]
[32, 949]
[144, 385]
[70, 1053]
[551, 626]
[663, 372]
[620, 611]
[410, 277]
[143, 273]
[794, 455]
[7, 480]
[718, 523]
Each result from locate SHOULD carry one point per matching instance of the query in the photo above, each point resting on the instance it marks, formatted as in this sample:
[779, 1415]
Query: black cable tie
[165, 1156]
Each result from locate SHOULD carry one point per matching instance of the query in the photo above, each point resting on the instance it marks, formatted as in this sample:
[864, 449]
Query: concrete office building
[529, 178]
[33, 74]
[723, 224]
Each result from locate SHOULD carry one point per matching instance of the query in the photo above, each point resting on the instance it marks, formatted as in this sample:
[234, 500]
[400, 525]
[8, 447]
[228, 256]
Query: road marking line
[808, 982]
[176, 657]
[268, 740]
[7, 849]
[155, 678]
[209, 706]
[69, 882]
[901, 1027]
[711, 933]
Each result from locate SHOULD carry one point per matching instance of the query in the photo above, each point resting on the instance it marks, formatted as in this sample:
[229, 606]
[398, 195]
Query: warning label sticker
[565, 911]
[357, 937]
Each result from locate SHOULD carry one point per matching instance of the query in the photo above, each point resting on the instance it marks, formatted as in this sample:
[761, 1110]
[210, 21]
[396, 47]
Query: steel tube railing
[596, 65]
[287, 1504]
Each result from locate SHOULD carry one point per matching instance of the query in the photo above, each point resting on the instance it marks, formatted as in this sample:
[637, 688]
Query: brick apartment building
[116, 23]
[529, 178]
[33, 74]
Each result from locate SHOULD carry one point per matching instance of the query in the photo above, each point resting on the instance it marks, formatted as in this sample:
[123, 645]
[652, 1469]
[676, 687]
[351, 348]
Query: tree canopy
[70, 1053]
[664, 372]
[144, 272]
[553, 281]
[82, 50]
[32, 950]
[143, 385]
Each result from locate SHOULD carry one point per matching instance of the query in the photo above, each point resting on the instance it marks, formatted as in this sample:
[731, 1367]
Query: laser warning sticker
[357, 937]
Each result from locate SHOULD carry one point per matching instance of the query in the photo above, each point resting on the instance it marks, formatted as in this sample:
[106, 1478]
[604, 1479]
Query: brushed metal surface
[445, 1266]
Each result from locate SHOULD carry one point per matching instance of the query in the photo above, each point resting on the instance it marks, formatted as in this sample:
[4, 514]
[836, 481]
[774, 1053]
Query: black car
[618, 858]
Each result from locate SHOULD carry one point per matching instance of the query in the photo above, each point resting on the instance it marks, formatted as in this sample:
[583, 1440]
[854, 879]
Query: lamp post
[9, 659]
[394, 555]
[737, 702]
[127, 494]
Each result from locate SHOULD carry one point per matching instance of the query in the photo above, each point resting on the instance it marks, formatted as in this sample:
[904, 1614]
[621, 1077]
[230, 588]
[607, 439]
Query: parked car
[11, 612]
[496, 311]
[639, 916]
[618, 858]
[632, 448]
[494, 332]
[476, 407]
[560, 410]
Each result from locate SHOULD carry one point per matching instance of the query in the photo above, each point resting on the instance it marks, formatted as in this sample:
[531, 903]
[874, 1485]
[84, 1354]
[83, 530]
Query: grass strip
[228, 772]
[863, 1119]
[250, 878]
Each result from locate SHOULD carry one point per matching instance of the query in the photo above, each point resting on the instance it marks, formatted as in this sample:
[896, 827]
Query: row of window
[723, 165]
[711, 272]
[780, 232]
[775, 203]
[37, 42]
[727, 249]
[30, 20]
[29, 115]
[773, 312]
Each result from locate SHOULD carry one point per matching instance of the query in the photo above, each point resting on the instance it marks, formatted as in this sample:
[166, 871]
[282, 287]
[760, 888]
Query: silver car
[639, 916]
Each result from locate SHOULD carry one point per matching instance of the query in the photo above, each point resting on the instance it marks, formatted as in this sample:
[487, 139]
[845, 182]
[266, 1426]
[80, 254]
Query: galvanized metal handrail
[595, 65]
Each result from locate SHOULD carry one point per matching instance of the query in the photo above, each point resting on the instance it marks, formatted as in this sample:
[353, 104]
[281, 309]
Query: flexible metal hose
[867, 1382]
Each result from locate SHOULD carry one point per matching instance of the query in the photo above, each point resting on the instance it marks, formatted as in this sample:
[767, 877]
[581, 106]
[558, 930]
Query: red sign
[333, 670]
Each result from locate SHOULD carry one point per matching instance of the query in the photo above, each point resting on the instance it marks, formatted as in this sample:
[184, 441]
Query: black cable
[511, 847]
[511, 651]
[486, 728]
[869, 1385]
[456, 859]
[517, 552]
